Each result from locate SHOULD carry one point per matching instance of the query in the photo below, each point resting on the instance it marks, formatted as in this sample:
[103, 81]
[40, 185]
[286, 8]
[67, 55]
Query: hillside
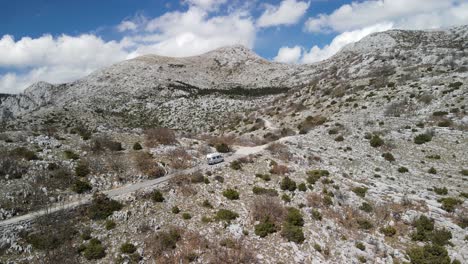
[357, 159]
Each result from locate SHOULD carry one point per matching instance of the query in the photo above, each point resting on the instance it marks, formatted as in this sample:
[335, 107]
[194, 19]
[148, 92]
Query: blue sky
[59, 41]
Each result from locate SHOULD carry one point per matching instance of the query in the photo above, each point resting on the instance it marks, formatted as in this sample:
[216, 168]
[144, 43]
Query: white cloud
[66, 58]
[414, 14]
[289, 55]
[207, 4]
[317, 54]
[287, 13]
[127, 26]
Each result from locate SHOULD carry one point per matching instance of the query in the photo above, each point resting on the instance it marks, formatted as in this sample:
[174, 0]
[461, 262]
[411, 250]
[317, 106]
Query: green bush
[264, 177]
[127, 248]
[432, 170]
[364, 223]
[428, 254]
[222, 147]
[422, 138]
[441, 237]
[82, 169]
[437, 157]
[440, 113]
[264, 191]
[101, 207]
[236, 165]
[366, 207]
[175, 210]
[327, 200]
[71, 155]
[110, 224]
[264, 228]
[168, 239]
[403, 170]
[157, 196]
[24, 153]
[81, 186]
[464, 172]
[226, 215]
[360, 246]
[294, 217]
[186, 216]
[286, 198]
[288, 184]
[449, 203]
[231, 194]
[441, 191]
[314, 175]
[360, 191]
[94, 250]
[137, 146]
[292, 233]
[388, 156]
[339, 138]
[207, 204]
[302, 187]
[424, 227]
[316, 215]
[376, 141]
[388, 231]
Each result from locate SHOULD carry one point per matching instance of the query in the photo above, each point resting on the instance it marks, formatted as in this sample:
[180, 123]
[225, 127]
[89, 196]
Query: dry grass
[267, 207]
[179, 158]
[157, 136]
[280, 150]
[145, 163]
[279, 169]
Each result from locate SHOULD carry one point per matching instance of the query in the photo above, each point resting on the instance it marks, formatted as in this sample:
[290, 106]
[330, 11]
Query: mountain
[204, 89]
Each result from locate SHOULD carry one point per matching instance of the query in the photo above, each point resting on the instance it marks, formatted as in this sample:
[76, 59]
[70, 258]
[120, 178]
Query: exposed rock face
[146, 91]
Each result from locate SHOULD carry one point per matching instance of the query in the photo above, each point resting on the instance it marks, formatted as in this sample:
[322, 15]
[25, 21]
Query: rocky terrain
[361, 158]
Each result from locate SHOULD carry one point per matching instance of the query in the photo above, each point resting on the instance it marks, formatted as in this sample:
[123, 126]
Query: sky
[60, 41]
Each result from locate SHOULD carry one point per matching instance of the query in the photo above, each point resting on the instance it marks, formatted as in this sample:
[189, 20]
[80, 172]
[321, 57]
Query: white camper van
[214, 158]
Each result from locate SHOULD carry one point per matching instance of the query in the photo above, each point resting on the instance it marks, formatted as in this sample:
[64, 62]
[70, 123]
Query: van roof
[213, 155]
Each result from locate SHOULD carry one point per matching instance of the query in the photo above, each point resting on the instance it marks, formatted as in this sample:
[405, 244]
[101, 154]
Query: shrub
[264, 177]
[175, 210]
[445, 123]
[110, 225]
[165, 240]
[267, 208]
[302, 187]
[376, 141]
[207, 204]
[316, 215]
[226, 215]
[94, 250]
[156, 136]
[428, 254]
[360, 191]
[449, 203]
[294, 217]
[388, 231]
[437, 157]
[388, 156]
[360, 246]
[82, 169]
[127, 248]
[101, 207]
[364, 223]
[186, 216]
[24, 153]
[145, 163]
[157, 196]
[11, 167]
[71, 155]
[311, 122]
[441, 191]
[403, 170]
[327, 201]
[441, 236]
[315, 175]
[366, 207]
[464, 172]
[137, 146]
[432, 170]
[286, 198]
[422, 138]
[424, 227]
[236, 165]
[288, 184]
[264, 191]
[292, 233]
[81, 186]
[264, 228]
[440, 113]
[339, 138]
[231, 194]
[222, 148]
